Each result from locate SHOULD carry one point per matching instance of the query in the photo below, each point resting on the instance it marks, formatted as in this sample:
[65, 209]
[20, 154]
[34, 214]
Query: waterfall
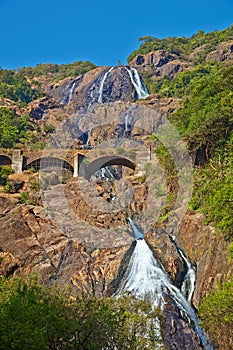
[147, 279]
[100, 98]
[71, 91]
[137, 82]
[43, 116]
[107, 173]
[67, 92]
[188, 284]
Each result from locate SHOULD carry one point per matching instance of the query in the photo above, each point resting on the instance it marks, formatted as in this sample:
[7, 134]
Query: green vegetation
[217, 315]
[14, 86]
[206, 122]
[9, 187]
[36, 317]
[206, 118]
[182, 46]
[56, 72]
[24, 197]
[15, 129]
[183, 83]
[213, 191]
[5, 171]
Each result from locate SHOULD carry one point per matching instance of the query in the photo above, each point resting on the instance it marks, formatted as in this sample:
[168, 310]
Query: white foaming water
[137, 82]
[188, 285]
[107, 173]
[100, 98]
[71, 91]
[146, 279]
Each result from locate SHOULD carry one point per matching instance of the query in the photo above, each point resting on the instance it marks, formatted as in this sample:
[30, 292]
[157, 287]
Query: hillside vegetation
[182, 46]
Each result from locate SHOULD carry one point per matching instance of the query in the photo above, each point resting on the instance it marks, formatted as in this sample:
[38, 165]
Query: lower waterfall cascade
[146, 279]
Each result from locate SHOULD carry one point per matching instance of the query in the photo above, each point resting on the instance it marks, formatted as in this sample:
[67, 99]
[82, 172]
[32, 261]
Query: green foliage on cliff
[206, 117]
[5, 171]
[206, 122]
[182, 46]
[184, 83]
[217, 315]
[15, 129]
[14, 86]
[213, 191]
[35, 317]
[56, 72]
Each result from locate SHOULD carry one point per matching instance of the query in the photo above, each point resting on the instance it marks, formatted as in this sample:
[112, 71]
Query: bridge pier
[78, 158]
[17, 161]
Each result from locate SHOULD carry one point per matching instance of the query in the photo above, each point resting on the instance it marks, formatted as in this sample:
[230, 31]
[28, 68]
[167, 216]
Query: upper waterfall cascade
[137, 82]
[135, 79]
[71, 91]
[100, 98]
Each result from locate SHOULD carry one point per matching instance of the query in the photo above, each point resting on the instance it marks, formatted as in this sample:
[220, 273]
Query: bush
[35, 317]
[216, 313]
[5, 171]
[24, 196]
[9, 187]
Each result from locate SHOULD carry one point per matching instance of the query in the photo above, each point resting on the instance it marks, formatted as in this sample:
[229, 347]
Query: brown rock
[155, 59]
[223, 52]
[209, 250]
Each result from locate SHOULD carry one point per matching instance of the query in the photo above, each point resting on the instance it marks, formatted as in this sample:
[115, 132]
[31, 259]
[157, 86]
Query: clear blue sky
[55, 31]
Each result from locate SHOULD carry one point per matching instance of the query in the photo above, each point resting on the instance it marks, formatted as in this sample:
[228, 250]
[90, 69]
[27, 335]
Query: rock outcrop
[208, 249]
[223, 52]
[161, 62]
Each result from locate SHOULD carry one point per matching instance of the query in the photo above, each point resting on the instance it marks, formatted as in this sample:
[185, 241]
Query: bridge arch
[48, 164]
[90, 169]
[5, 160]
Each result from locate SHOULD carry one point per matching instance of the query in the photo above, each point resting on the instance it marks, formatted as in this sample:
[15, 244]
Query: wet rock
[63, 91]
[165, 251]
[100, 85]
[178, 333]
[38, 108]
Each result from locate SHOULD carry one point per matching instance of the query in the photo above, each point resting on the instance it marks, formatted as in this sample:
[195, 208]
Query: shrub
[35, 317]
[9, 187]
[24, 197]
[5, 171]
[216, 313]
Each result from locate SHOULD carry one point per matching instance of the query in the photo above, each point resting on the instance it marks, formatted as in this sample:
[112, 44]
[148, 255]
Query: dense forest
[204, 119]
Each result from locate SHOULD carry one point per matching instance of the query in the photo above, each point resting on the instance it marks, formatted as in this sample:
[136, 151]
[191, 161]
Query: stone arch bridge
[70, 162]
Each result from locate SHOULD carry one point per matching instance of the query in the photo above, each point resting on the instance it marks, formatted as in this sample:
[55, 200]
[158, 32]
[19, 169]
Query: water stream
[147, 279]
[71, 91]
[100, 98]
[137, 82]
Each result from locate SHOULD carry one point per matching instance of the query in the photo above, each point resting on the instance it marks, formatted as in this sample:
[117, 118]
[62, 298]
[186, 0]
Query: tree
[34, 317]
[217, 315]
